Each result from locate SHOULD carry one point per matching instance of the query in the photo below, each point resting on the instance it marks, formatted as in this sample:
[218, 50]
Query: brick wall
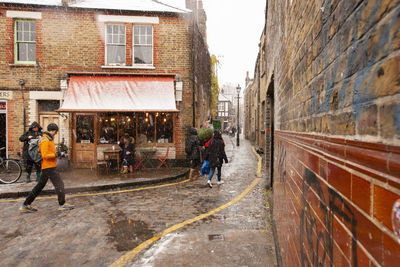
[336, 155]
[72, 40]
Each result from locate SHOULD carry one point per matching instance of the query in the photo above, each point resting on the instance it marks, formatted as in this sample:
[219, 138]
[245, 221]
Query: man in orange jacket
[49, 162]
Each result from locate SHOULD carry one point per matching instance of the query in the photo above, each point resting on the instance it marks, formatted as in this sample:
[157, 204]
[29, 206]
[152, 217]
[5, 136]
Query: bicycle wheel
[10, 171]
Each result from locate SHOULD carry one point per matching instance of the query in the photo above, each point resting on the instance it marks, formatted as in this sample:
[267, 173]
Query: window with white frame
[221, 106]
[25, 41]
[115, 44]
[143, 45]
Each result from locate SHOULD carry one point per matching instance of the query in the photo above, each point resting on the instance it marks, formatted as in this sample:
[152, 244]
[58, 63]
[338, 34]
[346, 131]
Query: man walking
[34, 132]
[49, 161]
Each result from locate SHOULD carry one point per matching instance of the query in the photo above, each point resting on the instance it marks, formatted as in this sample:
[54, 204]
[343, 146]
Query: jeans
[55, 179]
[212, 171]
[29, 165]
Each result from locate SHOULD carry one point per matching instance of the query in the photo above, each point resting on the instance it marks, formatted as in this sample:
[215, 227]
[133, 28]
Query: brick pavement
[103, 228]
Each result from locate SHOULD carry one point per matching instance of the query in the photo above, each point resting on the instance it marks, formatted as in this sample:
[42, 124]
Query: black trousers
[55, 179]
[29, 165]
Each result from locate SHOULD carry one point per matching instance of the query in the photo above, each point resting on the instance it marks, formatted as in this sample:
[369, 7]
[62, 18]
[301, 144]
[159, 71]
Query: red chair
[139, 164]
[163, 160]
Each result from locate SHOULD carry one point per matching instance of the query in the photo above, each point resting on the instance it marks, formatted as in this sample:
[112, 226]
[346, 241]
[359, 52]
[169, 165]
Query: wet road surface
[103, 228]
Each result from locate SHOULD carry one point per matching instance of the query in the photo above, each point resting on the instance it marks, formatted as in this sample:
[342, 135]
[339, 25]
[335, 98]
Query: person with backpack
[192, 144]
[49, 162]
[215, 154]
[34, 132]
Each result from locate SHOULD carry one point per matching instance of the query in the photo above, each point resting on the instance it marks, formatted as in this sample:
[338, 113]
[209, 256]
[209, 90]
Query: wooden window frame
[16, 42]
[152, 46]
[115, 44]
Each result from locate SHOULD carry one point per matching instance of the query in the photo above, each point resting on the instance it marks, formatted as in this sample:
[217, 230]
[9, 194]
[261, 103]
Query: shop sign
[6, 95]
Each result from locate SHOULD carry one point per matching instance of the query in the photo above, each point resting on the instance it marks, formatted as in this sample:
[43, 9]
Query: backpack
[188, 146]
[33, 149]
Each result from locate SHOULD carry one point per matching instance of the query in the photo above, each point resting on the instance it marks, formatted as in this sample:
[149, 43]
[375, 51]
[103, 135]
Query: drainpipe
[193, 73]
[22, 84]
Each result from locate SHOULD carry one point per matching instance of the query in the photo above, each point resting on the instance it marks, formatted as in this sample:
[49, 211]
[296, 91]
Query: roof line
[184, 10]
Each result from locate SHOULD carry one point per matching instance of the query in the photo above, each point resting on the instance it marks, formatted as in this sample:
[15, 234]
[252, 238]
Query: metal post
[238, 125]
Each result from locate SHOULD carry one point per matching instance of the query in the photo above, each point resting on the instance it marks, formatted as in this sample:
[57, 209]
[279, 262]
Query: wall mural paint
[309, 226]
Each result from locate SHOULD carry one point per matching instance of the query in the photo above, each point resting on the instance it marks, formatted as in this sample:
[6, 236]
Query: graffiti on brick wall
[318, 251]
[281, 162]
[365, 68]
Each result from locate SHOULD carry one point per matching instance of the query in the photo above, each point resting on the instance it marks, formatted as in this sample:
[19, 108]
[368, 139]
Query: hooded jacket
[25, 137]
[48, 151]
[215, 153]
[192, 145]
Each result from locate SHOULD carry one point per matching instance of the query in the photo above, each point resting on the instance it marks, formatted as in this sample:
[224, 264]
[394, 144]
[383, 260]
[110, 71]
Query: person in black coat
[192, 150]
[127, 155]
[34, 132]
[216, 156]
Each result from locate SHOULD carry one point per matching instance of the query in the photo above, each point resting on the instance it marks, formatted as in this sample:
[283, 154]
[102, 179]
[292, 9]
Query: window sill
[129, 67]
[19, 65]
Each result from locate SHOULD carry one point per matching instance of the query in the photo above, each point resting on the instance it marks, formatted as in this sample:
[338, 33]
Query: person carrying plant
[192, 150]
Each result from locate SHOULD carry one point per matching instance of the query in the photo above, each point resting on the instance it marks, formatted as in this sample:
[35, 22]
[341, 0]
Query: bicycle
[10, 169]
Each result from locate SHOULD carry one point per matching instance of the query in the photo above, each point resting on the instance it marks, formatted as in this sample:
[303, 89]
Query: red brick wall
[334, 199]
[336, 150]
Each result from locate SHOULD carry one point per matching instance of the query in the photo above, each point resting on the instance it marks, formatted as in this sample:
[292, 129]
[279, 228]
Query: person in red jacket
[49, 162]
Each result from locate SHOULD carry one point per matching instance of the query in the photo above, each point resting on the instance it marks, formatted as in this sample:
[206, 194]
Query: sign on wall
[6, 95]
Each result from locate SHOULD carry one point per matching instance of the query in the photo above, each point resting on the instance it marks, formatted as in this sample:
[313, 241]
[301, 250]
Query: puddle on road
[127, 234]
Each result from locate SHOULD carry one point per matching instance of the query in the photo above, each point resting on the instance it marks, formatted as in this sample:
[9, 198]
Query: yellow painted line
[103, 193]
[125, 259]
[259, 162]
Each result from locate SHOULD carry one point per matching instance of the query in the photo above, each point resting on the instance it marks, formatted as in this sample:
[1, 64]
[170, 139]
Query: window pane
[33, 26]
[31, 52]
[149, 40]
[109, 29]
[84, 129]
[136, 39]
[122, 29]
[127, 125]
[149, 30]
[121, 39]
[33, 36]
[115, 54]
[22, 51]
[143, 54]
[19, 26]
[25, 36]
[142, 39]
[109, 38]
[145, 128]
[136, 30]
[19, 36]
[115, 29]
[26, 26]
[108, 128]
[164, 127]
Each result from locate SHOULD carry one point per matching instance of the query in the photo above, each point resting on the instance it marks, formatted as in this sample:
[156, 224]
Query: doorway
[269, 135]
[84, 141]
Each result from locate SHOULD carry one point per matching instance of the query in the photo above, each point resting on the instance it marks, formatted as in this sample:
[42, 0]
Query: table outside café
[112, 154]
[147, 154]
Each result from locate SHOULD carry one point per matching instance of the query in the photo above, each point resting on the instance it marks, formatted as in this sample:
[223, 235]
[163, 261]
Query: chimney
[247, 78]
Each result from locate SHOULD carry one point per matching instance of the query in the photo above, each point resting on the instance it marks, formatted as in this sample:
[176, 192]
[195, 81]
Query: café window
[146, 128]
[165, 125]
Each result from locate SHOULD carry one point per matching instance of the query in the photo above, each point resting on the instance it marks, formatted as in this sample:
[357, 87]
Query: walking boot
[38, 176]
[28, 178]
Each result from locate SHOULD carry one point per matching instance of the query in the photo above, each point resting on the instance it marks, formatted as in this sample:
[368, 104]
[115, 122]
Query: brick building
[332, 104]
[102, 69]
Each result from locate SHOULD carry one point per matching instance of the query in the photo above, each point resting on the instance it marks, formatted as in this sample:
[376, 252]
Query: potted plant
[62, 162]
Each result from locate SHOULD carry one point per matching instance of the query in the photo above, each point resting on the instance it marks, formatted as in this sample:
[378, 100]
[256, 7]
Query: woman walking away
[216, 155]
[49, 162]
[34, 132]
[192, 150]
[127, 153]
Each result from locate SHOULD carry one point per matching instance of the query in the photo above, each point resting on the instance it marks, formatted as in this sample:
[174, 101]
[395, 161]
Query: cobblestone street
[102, 228]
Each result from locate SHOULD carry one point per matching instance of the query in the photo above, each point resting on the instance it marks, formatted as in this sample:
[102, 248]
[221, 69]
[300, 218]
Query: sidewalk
[85, 180]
